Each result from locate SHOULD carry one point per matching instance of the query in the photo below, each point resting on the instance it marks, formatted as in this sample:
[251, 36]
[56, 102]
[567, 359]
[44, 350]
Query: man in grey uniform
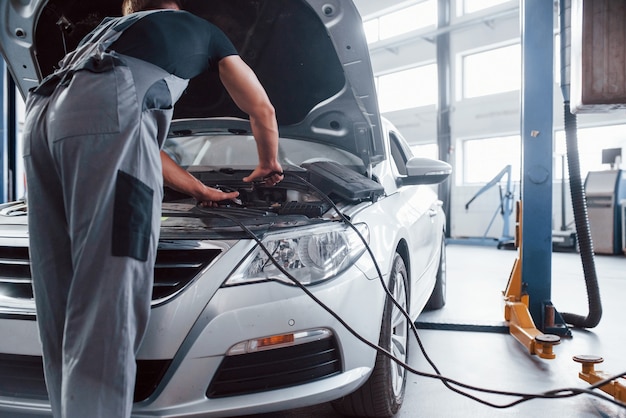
[95, 172]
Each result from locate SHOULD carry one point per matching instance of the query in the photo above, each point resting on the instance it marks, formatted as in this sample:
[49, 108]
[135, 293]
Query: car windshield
[237, 151]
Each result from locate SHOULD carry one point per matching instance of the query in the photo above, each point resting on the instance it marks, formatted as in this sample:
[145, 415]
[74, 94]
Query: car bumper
[234, 315]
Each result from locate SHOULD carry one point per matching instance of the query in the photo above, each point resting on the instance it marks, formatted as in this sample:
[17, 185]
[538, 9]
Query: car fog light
[278, 341]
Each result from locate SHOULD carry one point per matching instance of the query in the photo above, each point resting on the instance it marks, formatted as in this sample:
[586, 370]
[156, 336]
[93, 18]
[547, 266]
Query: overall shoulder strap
[90, 49]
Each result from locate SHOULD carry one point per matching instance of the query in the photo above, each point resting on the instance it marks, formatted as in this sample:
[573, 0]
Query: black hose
[583, 232]
[577, 191]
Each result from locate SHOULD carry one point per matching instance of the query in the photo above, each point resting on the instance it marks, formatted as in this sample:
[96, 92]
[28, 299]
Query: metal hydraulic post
[528, 309]
[537, 34]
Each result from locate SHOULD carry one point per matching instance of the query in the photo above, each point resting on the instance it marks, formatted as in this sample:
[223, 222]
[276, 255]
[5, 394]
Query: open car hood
[310, 55]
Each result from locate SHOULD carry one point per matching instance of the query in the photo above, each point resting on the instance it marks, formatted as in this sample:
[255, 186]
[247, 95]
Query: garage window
[408, 88]
[496, 70]
[484, 158]
[398, 22]
[471, 6]
[591, 142]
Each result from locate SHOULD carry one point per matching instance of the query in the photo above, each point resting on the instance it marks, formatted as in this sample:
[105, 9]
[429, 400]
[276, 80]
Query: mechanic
[95, 173]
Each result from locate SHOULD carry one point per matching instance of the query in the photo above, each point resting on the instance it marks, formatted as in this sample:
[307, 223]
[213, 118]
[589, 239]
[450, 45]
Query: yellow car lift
[521, 324]
[588, 374]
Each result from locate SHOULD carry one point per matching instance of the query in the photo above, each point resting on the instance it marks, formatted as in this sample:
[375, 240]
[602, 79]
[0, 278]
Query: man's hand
[266, 176]
[210, 196]
[179, 179]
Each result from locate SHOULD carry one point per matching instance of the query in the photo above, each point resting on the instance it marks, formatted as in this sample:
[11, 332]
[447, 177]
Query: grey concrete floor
[477, 276]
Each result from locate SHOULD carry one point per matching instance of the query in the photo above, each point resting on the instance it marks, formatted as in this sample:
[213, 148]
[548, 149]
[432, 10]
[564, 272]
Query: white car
[260, 304]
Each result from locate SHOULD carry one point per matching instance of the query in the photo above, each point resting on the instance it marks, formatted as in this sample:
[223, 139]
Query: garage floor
[476, 277]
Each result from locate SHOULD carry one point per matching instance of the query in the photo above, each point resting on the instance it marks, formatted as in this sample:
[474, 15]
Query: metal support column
[8, 135]
[4, 136]
[444, 140]
[537, 33]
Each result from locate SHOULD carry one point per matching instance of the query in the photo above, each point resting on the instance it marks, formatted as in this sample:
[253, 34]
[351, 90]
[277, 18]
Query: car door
[425, 229]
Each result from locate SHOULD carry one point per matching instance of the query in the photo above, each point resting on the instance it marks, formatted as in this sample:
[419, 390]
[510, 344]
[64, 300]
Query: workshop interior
[449, 238]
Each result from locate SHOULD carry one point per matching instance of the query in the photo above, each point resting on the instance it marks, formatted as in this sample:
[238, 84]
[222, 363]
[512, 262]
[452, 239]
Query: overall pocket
[88, 105]
[132, 217]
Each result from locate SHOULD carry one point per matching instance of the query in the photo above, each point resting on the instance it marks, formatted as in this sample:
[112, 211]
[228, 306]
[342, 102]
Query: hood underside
[310, 55]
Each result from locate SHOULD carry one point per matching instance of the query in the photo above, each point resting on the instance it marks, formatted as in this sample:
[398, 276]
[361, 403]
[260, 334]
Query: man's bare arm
[250, 96]
[179, 179]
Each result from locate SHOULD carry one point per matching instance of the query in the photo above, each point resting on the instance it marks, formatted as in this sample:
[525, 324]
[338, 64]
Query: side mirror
[425, 171]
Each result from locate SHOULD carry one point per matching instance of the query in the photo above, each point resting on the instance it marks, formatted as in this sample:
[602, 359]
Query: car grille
[274, 369]
[15, 273]
[174, 268]
[22, 377]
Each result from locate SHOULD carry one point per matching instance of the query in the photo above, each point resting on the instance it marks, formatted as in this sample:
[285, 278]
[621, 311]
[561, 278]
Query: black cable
[448, 382]
[445, 381]
[555, 394]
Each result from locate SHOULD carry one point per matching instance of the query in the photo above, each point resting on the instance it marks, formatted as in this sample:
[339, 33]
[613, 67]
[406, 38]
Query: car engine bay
[303, 192]
[302, 197]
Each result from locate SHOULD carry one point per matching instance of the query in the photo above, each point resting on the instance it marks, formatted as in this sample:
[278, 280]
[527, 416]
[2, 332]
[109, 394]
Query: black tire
[382, 394]
[437, 299]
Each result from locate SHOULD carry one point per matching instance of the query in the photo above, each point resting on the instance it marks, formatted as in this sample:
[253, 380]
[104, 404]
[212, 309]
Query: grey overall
[92, 136]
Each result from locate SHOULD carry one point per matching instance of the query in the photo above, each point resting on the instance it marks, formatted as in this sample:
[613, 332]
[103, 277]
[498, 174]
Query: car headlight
[310, 255]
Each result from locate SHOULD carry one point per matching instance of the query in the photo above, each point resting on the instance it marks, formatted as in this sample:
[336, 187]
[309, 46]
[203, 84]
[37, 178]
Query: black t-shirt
[177, 41]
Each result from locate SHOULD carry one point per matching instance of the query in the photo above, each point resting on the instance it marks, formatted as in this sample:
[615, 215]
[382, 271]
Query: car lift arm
[614, 388]
[521, 324]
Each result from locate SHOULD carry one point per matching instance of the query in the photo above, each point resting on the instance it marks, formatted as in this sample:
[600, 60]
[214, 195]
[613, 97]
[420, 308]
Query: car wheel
[438, 297]
[382, 394]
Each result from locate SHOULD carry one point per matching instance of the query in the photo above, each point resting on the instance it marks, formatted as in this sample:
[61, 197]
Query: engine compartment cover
[341, 182]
